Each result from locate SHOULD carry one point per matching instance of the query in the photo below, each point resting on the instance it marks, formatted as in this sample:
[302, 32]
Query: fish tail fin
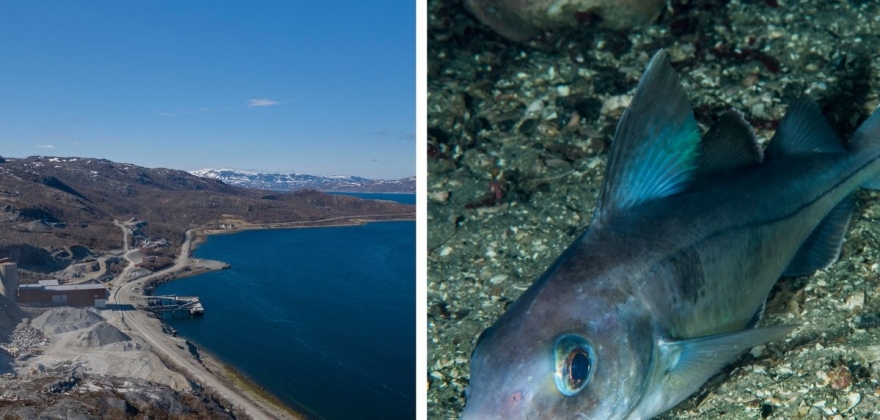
[866, 139]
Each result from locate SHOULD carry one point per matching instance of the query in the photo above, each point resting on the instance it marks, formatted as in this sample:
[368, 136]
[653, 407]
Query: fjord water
[323, 318]
[400, 198]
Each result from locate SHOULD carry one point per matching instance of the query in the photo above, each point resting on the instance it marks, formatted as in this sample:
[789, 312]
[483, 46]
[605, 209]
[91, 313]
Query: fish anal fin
[655, 149]
[729, 144]
[822, 247]
[803, 130]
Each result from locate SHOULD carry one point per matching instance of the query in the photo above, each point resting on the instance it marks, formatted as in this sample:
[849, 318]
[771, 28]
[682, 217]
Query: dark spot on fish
[766, 410]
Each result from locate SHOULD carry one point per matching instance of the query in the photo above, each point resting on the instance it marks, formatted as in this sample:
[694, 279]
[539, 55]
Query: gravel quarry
[81, 340]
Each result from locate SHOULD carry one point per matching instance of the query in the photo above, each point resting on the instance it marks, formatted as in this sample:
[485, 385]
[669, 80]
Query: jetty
[174, 304]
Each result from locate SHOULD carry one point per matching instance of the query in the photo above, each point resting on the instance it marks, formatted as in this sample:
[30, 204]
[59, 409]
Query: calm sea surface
[324, 318]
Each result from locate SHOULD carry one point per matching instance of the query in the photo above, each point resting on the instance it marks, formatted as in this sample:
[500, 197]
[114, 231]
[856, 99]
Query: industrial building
[50, 293]
[8, 278]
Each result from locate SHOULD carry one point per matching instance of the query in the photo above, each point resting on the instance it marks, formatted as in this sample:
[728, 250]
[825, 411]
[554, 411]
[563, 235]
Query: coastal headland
[55, 234]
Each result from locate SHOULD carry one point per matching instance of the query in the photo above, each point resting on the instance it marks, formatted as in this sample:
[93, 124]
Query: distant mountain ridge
[298, 181]
[54, 203]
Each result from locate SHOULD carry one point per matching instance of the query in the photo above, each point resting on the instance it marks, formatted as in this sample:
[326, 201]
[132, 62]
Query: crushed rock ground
[518, 136]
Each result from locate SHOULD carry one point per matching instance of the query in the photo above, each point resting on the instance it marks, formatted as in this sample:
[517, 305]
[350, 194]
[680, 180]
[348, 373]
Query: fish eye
[574, 363]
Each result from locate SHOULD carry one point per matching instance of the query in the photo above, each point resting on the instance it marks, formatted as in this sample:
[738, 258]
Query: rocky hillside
[56, 203]
[294, 181]
[52, 395]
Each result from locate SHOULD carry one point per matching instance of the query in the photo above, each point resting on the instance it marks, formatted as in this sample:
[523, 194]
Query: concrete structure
[175, 304]
[63, 295]
[9, 279]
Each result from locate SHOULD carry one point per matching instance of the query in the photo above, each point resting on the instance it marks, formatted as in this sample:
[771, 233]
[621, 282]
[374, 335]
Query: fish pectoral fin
[682, 367]
[822, 247]
[655, 148]
[690, 363]
[803, 130]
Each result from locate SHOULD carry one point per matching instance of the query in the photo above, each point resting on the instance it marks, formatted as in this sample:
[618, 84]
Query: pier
[174, 304]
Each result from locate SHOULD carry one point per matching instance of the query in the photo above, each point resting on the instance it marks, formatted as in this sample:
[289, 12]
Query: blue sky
[320, 87]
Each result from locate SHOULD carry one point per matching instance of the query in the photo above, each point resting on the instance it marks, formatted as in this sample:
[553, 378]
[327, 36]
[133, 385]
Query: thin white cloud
[173, 114]
[45, 146]
[262, 102]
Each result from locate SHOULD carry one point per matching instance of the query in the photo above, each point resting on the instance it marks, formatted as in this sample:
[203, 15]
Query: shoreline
[200, 235]
[225, 371]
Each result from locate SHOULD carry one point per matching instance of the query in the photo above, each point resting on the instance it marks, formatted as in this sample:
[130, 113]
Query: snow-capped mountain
[296, 181]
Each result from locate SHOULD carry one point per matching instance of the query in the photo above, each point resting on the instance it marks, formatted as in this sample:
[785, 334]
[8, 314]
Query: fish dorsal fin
[866, 137]
[803, 130]
[822, 247]
[655, 149]
[868, 134]
[729, 144]
[682, 367]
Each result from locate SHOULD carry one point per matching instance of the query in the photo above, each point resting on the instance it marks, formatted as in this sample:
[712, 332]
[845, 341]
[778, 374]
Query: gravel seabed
[518, 137]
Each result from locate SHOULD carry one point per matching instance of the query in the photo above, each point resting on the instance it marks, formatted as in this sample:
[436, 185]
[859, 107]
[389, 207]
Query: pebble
[498, 279]
[438, 196]
[563, 90]
[853, 399]
[855, 302]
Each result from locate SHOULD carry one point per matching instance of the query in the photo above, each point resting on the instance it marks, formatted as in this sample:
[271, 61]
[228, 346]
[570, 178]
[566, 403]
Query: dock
[174, 304]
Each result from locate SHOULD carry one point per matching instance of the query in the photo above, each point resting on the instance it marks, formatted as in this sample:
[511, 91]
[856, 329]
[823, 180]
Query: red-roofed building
[47, 294]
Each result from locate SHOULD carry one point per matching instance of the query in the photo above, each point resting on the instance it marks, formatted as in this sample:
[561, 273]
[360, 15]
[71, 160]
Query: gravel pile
[98, 335]
[61, 320]
[26, 337]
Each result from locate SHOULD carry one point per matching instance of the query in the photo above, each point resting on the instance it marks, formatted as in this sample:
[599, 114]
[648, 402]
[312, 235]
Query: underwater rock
[520, 20]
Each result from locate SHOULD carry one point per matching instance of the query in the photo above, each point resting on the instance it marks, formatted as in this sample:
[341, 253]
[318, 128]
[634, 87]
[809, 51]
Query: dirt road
[149, 329]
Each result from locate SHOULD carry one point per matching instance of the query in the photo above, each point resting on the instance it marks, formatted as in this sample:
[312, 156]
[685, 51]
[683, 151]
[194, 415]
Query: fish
[667, 284]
